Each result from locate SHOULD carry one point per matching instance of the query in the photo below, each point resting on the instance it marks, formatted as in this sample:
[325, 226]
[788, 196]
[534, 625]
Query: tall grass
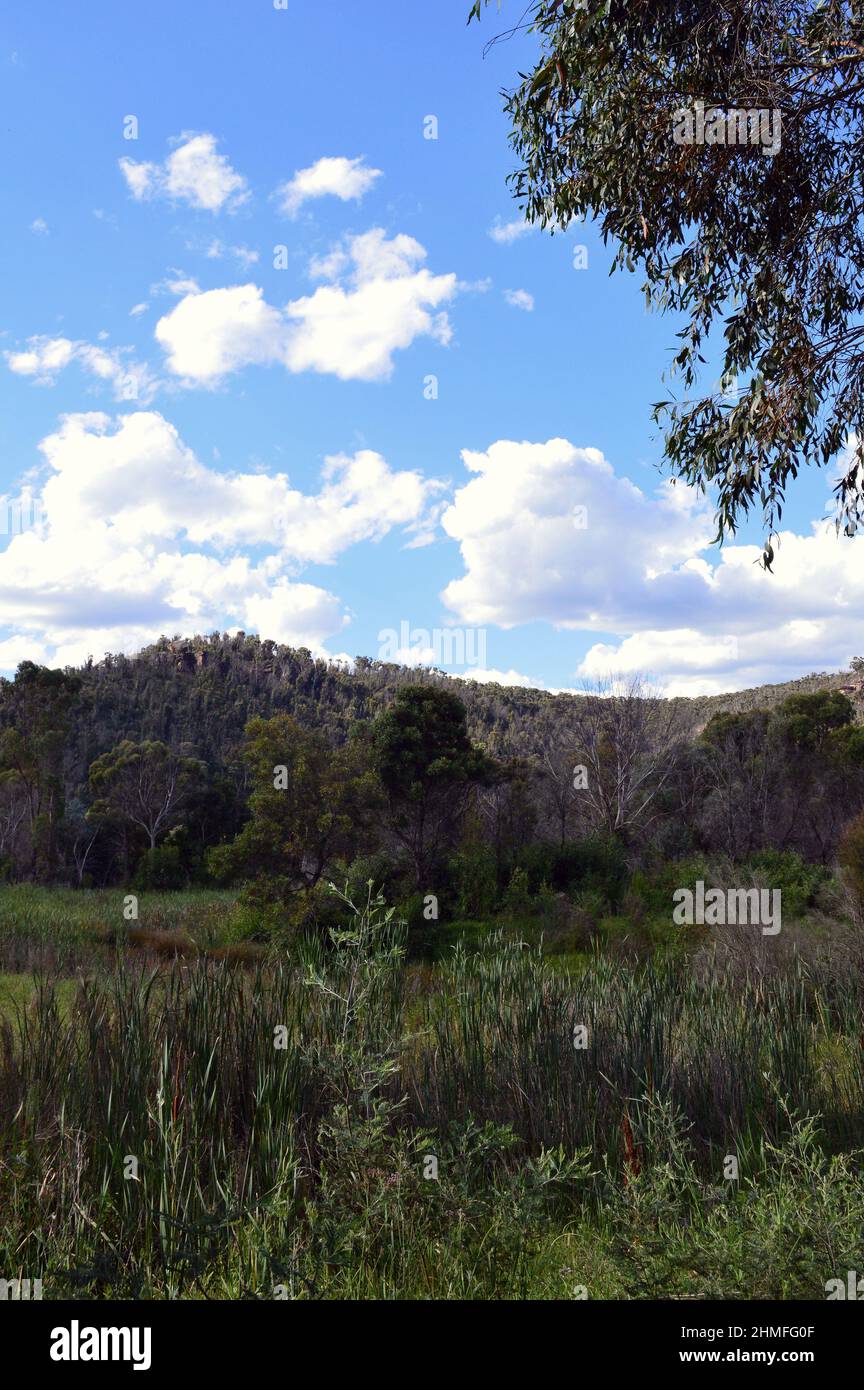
[334, 1123]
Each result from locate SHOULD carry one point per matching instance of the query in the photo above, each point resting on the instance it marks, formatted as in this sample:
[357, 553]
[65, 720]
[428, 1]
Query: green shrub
[653, 890]
[160, 868]
[798, 881]
[475, 881]
[413, 909]
[517, 898]
[386, 874]
[579, 865]
[850, 854]
[791, 1222]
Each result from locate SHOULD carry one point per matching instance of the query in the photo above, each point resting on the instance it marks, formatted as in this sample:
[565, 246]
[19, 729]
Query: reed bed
[195, 1128]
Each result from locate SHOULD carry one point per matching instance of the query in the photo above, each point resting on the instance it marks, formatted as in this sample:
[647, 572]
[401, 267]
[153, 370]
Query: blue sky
[213, 432]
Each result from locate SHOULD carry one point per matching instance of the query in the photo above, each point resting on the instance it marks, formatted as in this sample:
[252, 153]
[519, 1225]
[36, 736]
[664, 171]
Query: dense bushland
[436, 799]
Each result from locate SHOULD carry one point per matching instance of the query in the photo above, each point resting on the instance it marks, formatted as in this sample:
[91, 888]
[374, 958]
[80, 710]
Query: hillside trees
[850, 853]
[164, 693]
[13, 812]
[789, 777]
[785, 777]
[508, 811]
[823, 757]
[564, 801]
[809, 720]
[741, 811]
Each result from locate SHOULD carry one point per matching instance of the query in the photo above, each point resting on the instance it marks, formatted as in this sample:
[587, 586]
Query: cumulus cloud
[134, 536]
[347, 179]
[216, 332]
[689, 662]
[194, 173]
[492, 676]
[44, 358]
[746, 627]
[380, 299]
[550, 533]
[520, 299]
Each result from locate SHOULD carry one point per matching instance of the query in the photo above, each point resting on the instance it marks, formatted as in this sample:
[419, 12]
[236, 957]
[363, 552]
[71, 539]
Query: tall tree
[309, 805]
[625, 740]
[507, 810]
[760, 243]
[428, 766]
[742, 803]
[34, 719]
[13, 814]
[143, 785]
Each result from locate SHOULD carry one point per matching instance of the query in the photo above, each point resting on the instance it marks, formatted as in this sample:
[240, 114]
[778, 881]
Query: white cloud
[746, 627]
[23, 648]
[135, 536]
[138, 309]
[176, 283]
[331, 265]
[687, 662]
[143, 180]
[476, 286]
[520, 299]
[216, 332]
[531, 555]
[353, 329]
[193, 173]
[217, 251]
[44, 358]
[491, 676]
[348, 179]
[505, 233]
[634, 565]
[40, 227]
[101, 473]
[380, 299]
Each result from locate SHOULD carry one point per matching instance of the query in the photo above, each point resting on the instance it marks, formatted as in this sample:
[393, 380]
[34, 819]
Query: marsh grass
[282, 1114]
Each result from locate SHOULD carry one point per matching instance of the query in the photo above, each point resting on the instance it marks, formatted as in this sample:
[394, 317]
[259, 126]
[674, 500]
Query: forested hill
[200, 692]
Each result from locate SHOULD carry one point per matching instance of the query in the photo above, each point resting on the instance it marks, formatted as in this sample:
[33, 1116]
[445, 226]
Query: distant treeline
[237, 760]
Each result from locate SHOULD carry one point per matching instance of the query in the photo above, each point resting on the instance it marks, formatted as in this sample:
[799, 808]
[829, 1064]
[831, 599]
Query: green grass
[20, 991]
[84, 909]
[301, 1169]
[63, 916]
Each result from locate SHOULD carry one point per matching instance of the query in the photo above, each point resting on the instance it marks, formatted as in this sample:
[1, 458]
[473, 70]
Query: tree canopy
[762, 250]
[143, 784]
[309, 804]
[427, 765]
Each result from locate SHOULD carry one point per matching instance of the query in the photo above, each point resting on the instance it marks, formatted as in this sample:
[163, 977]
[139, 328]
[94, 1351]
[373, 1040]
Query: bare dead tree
[82, 844]
[14, 807]
[624, 738]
